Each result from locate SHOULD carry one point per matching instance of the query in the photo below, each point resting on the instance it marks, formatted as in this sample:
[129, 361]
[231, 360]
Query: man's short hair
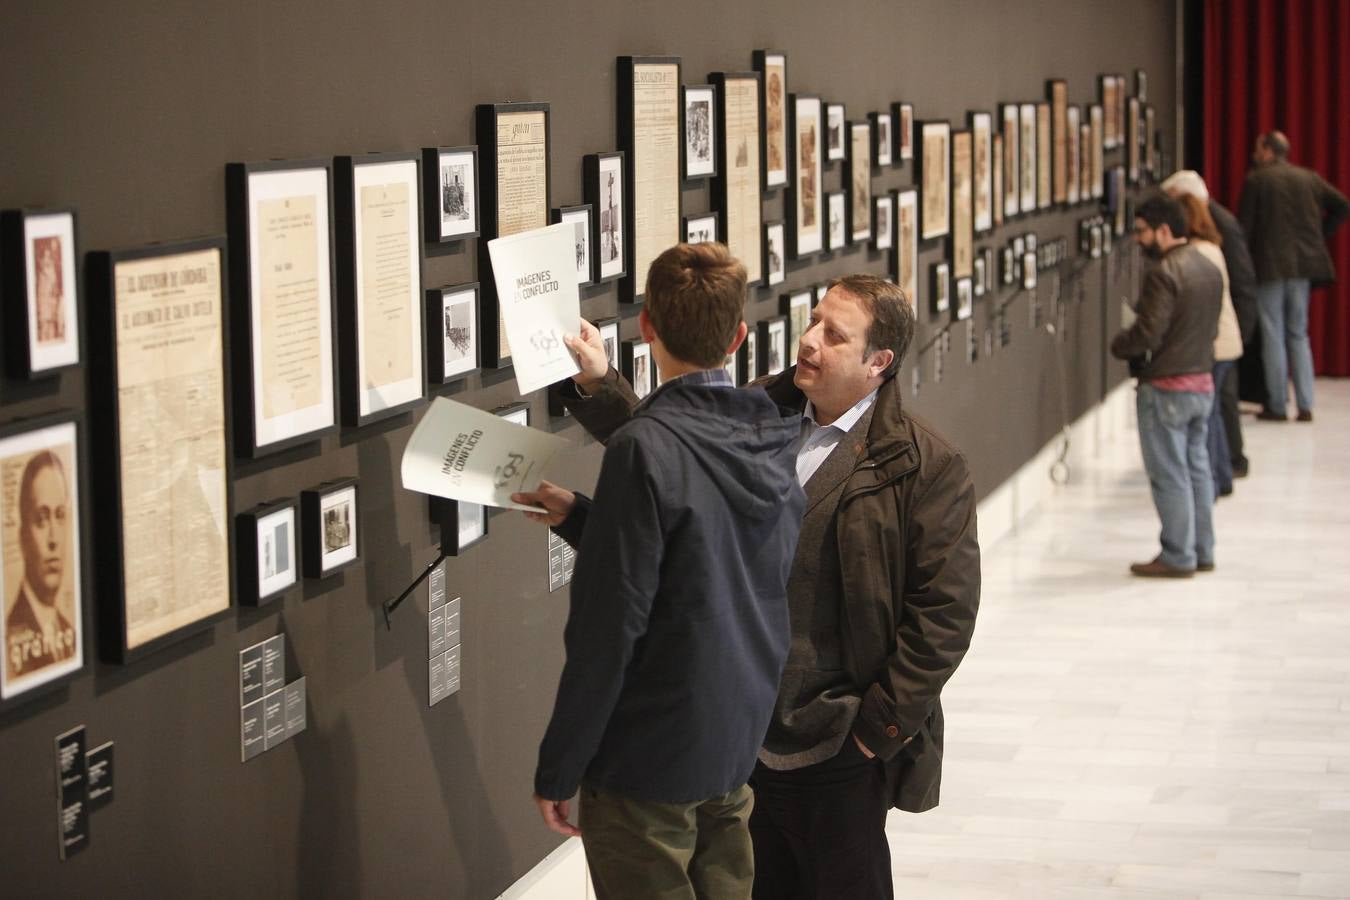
[1276, 143]
[39, 461]
[1159, 210]
[892, 315]
[695, 301]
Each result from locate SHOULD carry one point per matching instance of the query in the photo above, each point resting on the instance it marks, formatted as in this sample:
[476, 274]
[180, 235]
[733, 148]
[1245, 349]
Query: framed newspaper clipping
[736, 186]
[649, 129]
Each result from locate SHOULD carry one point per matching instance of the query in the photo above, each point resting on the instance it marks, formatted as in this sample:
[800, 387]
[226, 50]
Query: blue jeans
[1219, 458]
[1173, 431]
[1284, 342]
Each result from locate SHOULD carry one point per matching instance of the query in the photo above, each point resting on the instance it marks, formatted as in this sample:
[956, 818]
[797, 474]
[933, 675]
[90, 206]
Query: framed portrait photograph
[796, 307]
[736, 188]
[982, 172]
[452, 332]
[940, 281]
[836, 208]
[904, 130]
[450, 193]
[649, 120]
[883, 222]
[268, 555]
[773, 345]
[330, 533]
[603, 186]
[515, 146]
[638, 367]
[380, 325]
[700, 115]
[1044, 186]
[806, 228]
[461, 525]
[283, 357]
[1057, 93]
[775, 253]
[161, 485]
[1026, 140]
[1012, 160]
[965, 300]
[747, 357]
[859, 181]
[42, 533]
[836, 123]
[609, 337]
[772, 68]
[883, 138]
[907, 243]
[41, 284]
[962, 239]
[579, 217]
[700, 228]
[933, 174]
[1072, 155]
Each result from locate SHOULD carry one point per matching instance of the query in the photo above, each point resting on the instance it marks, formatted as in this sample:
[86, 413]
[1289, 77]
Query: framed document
[452, 332]
[1057, 92]
[772, 68]
[836, 121]
[41, 286]
[774, 254]
[773, 345]
[1107, 95]
[700, 228]
[1096, 122]
[603, 186]
[450, 193]
[1012, 161]
[1132, 139]
[996, 169]
[42, 566]
[1072, 155]
[1044, 187]
[700, 160]
[330, 527]
[747, 359]
[907, 244]
[797, 308]
[836, 210]
[982, 186]
[514, 141]
[281, 281]
[883, 222]
[462, 525]
[940, 290]
[1120, 108]
[933, 174]
[158, 396]
[859, 181]
[904, 130]
[649, 134]
[1026, 142]
[883, 142]
[736, 186]
[637, 366]
[266, 536]
[380, 325]
[1085, 159]
[580, 218]
[962, 239]
[1151, 143]
[806, 228]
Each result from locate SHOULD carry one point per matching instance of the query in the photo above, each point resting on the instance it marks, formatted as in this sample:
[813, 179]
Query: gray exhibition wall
[130, 112]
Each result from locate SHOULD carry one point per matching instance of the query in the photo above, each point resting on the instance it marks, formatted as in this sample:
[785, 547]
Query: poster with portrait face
[42, 628]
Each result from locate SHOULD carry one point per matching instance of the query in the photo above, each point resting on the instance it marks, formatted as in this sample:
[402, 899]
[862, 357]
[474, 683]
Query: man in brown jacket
[882, 597]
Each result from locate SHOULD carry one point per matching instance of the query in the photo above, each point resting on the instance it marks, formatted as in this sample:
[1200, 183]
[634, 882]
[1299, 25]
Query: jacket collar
[887, 434]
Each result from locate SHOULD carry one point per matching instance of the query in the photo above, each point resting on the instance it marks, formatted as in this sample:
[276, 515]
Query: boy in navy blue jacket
[678, 626]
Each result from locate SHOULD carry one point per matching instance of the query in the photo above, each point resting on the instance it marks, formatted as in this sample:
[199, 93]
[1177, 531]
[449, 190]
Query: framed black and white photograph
[41, 285]
[982, 137]
[268, 554]
[1012, 160]
[883, 138]
[773, 345]
[965, 299]
[1029, 270]
[797, 308]
[517, 413]
[282, 342]
[858, 181]
[883, 222]
[602, 186]
[700, 228]
[609, 337]
[329, 527]
[980, 279]
[775, 253]
[904, 130]
[42, 535]
[452, 332]
[579, 217]
[772, 67]
[940, 287]
[836, 123]
[934, 177]
[836, 211]
[747, 357]
[907, 243]
[380, 325]
[1008, 266]
[462, 525]
[450, 193]
[639, 367]
[805, 225]
[700, 101]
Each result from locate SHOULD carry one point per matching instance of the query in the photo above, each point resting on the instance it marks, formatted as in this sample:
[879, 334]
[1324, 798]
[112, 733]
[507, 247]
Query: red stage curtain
[1284, 64]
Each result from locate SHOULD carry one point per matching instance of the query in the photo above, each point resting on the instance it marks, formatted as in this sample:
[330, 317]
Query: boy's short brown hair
[695, 301]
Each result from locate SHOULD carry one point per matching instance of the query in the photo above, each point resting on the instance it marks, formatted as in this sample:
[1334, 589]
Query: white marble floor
[1115, 737]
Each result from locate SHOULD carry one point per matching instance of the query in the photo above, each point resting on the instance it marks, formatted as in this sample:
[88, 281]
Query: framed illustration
[266, 537]
[649, 134]
[907, 243]
[736, 187]
[515, 146]
[281, 286]
[1132, 139]
[883, 222]
[747, 357]
[982, 184]
[773, 345]
[836, 206]
[1026, 142]
[836, 122]
[858, 181]
[699, 102]
[1072, 155]
[161, 485]
[965, 300]
[1096, 122]
[462, 525]
[883, 140]
[452, 332]
[796, 308]
[329, 527]
[450, 193]
[996, 171]
[962, 241]
[933, 174]
[41, 285]
[904, 130]
[772, 68]
[609, 337]
[380, 324]
[805, 226]
[700, 227]
[775, 253]
[1057, 93]
[580, 218]
[940, 287]
[1044, 187]
[603, 186]
[638, 367]
[43, 536]
[1012, 160]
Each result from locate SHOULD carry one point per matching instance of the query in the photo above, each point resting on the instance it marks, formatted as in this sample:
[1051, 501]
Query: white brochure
[536, 276]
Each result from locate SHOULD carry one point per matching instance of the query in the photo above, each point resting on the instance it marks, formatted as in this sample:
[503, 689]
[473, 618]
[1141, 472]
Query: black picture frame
[833, 154]
[760, 62]
[592, 166]
[747, 357]
[447, 515]
[435, 337]
[313, 529]
[722, 181]
[689, 172]
[902, 118]
[883, 241]
[773, 336]
[977, 121]
[559, 213]
[774, 276]
[939, 287]
[435, 194]
[631, 286]
[691, 220]
[927, 231]
[883, 139]
[251, 590]
[631, 359]
[853, 167]
[964, 307]
[798, 315]
[796, 247]
[21, 362]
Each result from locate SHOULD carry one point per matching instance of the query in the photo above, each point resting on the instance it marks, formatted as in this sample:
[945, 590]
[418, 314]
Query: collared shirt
[818, 441]
[702, 378]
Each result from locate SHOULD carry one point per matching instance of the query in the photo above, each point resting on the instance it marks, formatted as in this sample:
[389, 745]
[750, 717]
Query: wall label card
[250, 730]
[274, 719]
[274, 664]
[99, 768]
[72, 792]
[251, 674]
[295, 707]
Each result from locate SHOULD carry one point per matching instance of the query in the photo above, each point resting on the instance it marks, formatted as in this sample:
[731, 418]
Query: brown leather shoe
[1159, 569]
[1305, 415]
[1266, 415]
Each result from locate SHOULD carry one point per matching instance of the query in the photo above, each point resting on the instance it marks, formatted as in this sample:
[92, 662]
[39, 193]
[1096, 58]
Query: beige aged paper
[388, 320]
[656, 165]
[288, 267]
[744, 211]
[963, 264]
[522, 183]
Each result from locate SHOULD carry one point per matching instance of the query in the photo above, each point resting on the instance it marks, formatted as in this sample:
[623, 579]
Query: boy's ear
[645, 327]
[741, 331]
